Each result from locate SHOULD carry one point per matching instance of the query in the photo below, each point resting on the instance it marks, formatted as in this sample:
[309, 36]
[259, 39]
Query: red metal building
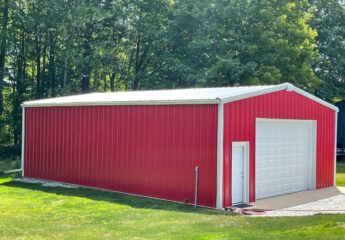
[248, 142]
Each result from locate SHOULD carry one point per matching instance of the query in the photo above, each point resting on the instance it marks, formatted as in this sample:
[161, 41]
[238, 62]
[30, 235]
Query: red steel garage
[249, 143]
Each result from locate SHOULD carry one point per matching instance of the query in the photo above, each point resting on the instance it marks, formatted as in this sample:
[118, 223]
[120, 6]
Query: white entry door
[284, 161]
[238, 154]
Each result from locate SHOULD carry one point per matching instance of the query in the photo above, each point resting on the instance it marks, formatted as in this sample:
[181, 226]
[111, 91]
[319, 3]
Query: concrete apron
[294, 199]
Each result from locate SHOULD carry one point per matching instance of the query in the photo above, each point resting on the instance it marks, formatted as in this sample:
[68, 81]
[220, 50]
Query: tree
[283, 43]
[62, 47]
[217, 43]
[3, 44]
[146, 41]
[330, 65]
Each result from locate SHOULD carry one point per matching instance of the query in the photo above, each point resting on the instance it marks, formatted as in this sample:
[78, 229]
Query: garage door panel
[291, 164]
[283, 157]
[285, 180]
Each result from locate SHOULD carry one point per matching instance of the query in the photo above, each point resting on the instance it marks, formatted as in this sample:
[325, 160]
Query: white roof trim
[172, 97]
[291, 87]
[254, 93]
[284, 86]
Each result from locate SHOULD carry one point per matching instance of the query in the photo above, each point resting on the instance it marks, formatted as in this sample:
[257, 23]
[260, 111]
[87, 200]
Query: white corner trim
[21, 169]
[335, 147]
[219, 203]
[23, 141]
[313, 160]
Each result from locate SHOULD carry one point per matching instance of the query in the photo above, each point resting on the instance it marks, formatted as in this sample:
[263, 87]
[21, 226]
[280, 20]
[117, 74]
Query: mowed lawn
[30, 211]
[341, 174]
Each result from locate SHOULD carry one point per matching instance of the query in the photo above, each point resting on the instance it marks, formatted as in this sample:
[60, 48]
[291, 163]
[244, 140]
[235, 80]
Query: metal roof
[175, 96]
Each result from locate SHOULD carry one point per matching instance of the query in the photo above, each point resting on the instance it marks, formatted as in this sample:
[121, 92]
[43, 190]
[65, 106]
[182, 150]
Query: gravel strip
[329, 205]
[44, 183]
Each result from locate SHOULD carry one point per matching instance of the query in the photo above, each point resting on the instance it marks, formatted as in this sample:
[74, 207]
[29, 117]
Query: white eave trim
[122, 103]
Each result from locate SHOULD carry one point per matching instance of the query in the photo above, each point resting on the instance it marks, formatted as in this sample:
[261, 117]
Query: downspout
[196, 186]
[21, 169]
[219, 202]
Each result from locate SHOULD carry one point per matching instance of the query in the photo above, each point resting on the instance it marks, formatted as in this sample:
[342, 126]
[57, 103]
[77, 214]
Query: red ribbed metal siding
[239, 125]
[145, 150]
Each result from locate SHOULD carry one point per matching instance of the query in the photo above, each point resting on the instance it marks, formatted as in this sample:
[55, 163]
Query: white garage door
[284, 153]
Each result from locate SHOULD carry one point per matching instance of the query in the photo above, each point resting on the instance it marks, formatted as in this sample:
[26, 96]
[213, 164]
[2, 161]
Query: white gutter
[21, 169]
[219, 202]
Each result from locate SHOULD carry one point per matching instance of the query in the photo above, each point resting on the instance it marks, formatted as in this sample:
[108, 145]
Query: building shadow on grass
[116, 198]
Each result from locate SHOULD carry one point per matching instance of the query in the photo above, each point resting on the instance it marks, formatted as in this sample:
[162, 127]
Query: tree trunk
[104, 76]
[19, 91]
[51, 67]
[112, 82]
[65, 72]
[141, 61]
[38, 63]
[3, 53]
[137, 67]
[86, 74]
[44, 85]
[96, 83]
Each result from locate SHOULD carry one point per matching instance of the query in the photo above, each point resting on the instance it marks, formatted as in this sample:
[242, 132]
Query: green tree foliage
[328, 20]
[243, 42]
[285, 44]
[55, 48]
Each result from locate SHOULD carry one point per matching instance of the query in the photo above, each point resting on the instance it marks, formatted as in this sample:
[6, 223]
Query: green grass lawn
[341, 175]
[29, 211]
